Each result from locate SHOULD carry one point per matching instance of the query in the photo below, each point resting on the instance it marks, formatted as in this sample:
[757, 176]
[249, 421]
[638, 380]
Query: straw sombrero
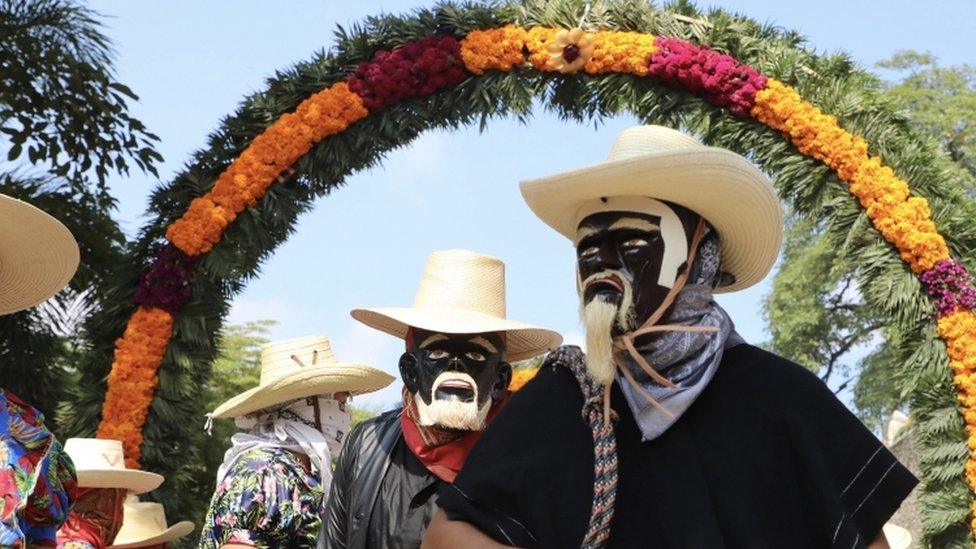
[298, 368]
[665, 164]
[38, 255]
[144, 524]
[100, 463]
[462, 292]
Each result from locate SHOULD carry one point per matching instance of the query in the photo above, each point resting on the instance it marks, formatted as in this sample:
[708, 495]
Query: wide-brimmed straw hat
[38, 255]
[462, 292]
[298, 368]
[652, 161]
[144, 524]
[100, 463]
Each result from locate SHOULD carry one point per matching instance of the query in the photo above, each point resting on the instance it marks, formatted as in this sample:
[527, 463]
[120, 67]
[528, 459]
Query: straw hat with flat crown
[100, 463]
[298, 368]
[462, 292]
[665, 164]
[144, 524]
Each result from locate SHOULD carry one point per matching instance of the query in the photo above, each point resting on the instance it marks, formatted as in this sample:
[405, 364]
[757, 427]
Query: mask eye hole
[588, 251]
[437, 354]
[475, 355]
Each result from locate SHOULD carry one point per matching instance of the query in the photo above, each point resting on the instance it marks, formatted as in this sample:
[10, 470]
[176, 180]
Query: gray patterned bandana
[689, 360]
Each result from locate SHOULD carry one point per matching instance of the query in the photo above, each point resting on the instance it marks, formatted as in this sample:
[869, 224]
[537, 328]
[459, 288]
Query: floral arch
[834, 149]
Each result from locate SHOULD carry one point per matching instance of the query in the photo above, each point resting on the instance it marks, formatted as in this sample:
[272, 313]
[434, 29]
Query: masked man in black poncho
[455, 380]
[671, 431]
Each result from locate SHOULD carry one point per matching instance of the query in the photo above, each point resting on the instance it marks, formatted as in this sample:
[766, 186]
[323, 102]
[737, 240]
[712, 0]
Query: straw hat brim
[721, 186]
[38, 255]
[310, 381]
[175, 531]
[522, 340]
[133, 480]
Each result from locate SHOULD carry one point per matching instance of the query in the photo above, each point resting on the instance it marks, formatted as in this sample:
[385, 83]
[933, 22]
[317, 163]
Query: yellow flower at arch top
[570, 50]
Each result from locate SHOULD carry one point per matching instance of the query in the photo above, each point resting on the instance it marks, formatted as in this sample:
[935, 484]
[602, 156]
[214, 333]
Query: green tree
[941, 100]
[64, 127]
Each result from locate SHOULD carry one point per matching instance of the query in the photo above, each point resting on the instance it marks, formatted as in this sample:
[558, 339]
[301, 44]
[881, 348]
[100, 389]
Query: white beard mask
[452, 413]
[600, 318]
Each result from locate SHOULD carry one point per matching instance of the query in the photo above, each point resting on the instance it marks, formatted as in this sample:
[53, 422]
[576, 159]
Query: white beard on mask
[600, 318]
[452, 413]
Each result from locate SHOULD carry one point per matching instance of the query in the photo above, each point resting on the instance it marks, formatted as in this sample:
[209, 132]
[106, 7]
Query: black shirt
[767, 456]
[406, 502]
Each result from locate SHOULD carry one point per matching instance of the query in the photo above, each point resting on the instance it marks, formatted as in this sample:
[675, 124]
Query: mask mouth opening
[455, 389]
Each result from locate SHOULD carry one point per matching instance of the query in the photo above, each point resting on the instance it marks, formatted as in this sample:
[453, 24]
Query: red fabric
[79, 529]
[95, 518]
[444, 460]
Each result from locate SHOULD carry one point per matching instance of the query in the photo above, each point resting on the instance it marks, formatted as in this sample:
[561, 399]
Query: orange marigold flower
[621, 52]
[247, 179]
[132, 381]
[521, 376]
[904, 221]
[537, 41]
[498, 49]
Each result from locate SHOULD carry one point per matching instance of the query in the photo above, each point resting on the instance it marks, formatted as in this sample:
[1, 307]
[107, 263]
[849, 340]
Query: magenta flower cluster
[723, 81]
[418, 68]
[167, 282]
[950, 286]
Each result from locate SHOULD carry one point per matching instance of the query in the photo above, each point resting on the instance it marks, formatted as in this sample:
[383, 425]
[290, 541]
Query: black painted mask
[621, 257]
[455, 376]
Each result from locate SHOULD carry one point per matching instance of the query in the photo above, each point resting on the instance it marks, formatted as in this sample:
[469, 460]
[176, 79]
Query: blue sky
[191, 62]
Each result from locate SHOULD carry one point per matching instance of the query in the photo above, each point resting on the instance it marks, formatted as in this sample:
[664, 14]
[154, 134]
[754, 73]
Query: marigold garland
[132, 381]
[437, 63]
[247, 179]
[904, 221]
[621, 52]
[493, 49]
[521, 376]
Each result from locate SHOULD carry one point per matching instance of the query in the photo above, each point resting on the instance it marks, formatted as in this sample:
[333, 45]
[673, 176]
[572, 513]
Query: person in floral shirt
[37, 479]
[267, 499]
[38, 256]
[271, 488]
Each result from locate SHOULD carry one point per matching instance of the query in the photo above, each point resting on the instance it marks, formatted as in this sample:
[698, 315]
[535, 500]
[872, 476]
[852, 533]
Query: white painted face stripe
[672, 231]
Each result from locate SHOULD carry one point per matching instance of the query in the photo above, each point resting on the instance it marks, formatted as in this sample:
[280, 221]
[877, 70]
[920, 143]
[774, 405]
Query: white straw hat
[144, 524]
[38, 255]
[100, 463]
[298, 368]
[665, 164]
[897, 537]
[462, 292]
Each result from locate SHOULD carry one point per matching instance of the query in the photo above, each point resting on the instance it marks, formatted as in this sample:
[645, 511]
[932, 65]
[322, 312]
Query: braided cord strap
[604, 446]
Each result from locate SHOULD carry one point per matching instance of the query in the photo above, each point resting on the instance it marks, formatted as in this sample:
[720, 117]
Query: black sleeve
[513, 477]
[857, 481]
[337, 508]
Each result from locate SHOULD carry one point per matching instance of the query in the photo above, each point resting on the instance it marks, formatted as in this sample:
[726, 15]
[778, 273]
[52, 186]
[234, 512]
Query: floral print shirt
[266, 499]
[37, 479]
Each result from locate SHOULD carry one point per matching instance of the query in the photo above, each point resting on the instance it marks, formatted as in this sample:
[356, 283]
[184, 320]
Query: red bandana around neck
[441, 451]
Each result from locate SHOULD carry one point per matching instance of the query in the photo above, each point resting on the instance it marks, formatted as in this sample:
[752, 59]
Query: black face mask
[634, 254]
[478, 355]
